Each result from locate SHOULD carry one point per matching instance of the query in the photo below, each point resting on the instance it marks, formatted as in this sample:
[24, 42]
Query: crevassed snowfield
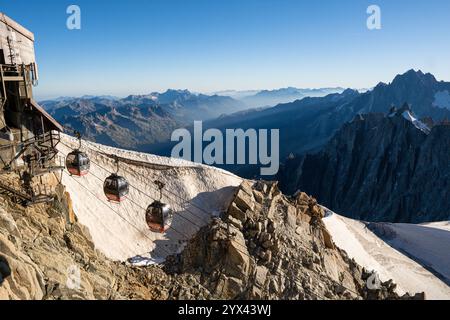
[194, 191]
[428, 245]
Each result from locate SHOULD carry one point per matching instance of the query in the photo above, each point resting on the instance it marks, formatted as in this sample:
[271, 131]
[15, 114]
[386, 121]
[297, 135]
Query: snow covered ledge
[373, 253]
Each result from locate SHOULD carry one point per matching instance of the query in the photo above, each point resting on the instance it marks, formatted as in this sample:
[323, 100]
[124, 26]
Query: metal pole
[3, 87]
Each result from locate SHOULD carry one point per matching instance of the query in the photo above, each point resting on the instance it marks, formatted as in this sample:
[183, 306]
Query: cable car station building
[28, 134]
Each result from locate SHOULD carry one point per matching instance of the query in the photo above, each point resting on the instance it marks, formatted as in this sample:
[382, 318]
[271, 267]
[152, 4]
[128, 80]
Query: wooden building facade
[28, 134]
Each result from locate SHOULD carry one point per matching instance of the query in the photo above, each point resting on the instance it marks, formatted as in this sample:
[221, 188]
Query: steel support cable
[190, 221]
[139, 205]
[197, 166]
[130, 199]
[131, 224]
[171, 192]
[153, 199]
[202, 219]
[116, 212]
[168, 253]
[145, 209]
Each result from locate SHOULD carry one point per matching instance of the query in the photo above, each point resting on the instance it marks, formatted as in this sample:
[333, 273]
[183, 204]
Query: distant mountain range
[306, 125]
[379, 167]
[137, 119]
[145, 122]
[270, 98]
[266, 98]
[181, 104]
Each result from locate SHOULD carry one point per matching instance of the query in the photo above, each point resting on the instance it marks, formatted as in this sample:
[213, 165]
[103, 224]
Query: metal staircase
[39, 150]
[38, 154]
[11, 73]
[47, 143]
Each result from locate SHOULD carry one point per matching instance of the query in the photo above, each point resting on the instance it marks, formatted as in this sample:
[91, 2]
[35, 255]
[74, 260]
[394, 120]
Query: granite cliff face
[391, 168]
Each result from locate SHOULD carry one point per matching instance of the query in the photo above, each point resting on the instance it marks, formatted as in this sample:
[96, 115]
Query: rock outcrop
[268, 246]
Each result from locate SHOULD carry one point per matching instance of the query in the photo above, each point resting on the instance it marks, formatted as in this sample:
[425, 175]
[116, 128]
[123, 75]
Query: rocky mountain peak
[350, 92]
[405, 108]
[172, 95]
[412, 77]
[406, 113]
[269, 246]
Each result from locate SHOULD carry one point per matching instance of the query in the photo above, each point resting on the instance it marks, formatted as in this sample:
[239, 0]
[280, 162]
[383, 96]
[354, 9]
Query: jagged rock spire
[405, 107]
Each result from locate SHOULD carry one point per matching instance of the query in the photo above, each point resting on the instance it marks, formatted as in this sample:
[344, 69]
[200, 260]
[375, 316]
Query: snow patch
[442, 99]
[426, 244]
[417, 123]
[444, 225]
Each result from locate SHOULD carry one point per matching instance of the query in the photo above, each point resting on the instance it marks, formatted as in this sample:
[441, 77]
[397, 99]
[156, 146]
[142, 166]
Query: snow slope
[429, 246]
[444, 225]
[194, 191]
[418, 124]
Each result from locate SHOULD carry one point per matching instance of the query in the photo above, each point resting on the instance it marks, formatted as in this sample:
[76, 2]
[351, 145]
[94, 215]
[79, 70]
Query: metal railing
[44, 146]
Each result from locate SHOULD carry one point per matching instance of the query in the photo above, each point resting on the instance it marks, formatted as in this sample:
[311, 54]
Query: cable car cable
[138, 205]
[196, 166]
[123, 218]
[202, 219]
[173, 193]
[244, 253]
[168, 253]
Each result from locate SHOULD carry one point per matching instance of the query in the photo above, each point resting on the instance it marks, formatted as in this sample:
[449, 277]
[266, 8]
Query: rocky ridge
[379, 167]
[267, 246]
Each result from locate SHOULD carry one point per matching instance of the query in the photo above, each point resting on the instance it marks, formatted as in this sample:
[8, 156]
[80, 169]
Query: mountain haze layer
[266, 98]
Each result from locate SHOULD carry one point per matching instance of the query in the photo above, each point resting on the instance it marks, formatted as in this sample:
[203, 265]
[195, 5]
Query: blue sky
[139, 46]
